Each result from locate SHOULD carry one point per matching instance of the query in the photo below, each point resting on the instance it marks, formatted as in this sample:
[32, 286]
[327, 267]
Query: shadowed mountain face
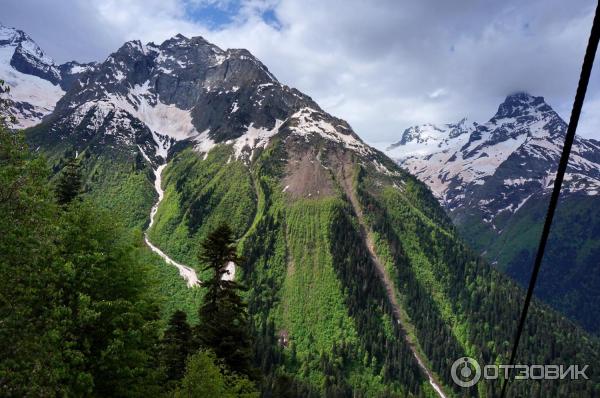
[357, 282]
[495, 180]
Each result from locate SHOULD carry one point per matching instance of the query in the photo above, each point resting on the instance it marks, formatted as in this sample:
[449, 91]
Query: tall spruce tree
[69, 183]
[224, 322]
[176, 346]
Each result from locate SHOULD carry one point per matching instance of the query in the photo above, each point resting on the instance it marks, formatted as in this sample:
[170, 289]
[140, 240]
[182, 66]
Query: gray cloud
[383, 66]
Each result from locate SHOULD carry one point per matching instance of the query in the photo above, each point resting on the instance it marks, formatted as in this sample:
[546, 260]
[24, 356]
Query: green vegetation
[305, 334]
[200, 195]
[77, 318]
[223, 318]
[318, 320]
[206, 376]
[461, 306]
[176, 346]
[117, 186]
[68, 186]
[170, 288]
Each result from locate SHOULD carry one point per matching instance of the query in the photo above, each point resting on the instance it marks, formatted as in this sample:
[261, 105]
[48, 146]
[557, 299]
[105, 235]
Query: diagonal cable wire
[586, 70]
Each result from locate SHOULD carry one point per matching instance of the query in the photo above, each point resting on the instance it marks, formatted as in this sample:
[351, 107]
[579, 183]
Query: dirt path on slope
[388, 283]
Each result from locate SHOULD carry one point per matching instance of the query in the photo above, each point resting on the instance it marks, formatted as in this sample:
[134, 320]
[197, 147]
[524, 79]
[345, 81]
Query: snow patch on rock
[27, 89]
[308, 121]
[254, 138]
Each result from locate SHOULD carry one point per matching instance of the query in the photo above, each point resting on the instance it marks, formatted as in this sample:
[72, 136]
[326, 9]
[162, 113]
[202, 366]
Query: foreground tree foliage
[76, 318]
[217, 359]
[207, 376]
[30, 303]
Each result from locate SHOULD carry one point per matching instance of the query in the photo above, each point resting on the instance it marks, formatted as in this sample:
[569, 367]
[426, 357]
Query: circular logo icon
[465, 372]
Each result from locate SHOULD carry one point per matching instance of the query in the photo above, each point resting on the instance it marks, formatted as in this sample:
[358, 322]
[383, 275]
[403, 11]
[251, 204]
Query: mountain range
[495, 180]
[358, 283]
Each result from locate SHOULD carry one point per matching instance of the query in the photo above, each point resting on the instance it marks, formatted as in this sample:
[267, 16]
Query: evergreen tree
[224, 326]
[176, 346]
[114, 318]
[76, 317]
[69, 183]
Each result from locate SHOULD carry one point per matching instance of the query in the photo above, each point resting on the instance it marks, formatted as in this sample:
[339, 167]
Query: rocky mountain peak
[187, 91]
[27, 57]
[521, 104]
[501, 164]
[11, 36]
[433, 133]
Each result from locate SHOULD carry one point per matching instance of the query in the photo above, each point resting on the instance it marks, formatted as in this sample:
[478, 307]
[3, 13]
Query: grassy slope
[291, 275]
[199, 195]
[294, 267]
[317, 319]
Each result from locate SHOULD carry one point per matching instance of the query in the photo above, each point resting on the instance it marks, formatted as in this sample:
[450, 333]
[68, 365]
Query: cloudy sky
[382, 65]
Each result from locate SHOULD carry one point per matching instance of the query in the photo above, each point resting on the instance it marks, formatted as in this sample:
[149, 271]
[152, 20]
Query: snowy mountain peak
[521, 104]
[10, 36]
[433, 133]
[26, 56]
[13, 37]
[149, 97]
[32, 76]
[426, 139]
[499, 165]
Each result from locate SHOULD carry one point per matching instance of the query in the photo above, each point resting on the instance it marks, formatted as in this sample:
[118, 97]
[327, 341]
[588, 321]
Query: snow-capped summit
[186, 91]
[31, 75]
[495, 182]
[499, 165]
[27, 56]
[36, 83]
[148, 97]
[426, 139]
[521, 104]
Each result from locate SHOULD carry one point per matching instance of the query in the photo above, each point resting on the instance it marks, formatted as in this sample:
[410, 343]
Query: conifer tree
[176, 346]
[224, 322]
[69, 183]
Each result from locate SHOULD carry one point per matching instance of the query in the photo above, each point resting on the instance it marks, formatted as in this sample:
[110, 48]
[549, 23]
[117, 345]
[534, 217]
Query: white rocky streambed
[186, 272]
